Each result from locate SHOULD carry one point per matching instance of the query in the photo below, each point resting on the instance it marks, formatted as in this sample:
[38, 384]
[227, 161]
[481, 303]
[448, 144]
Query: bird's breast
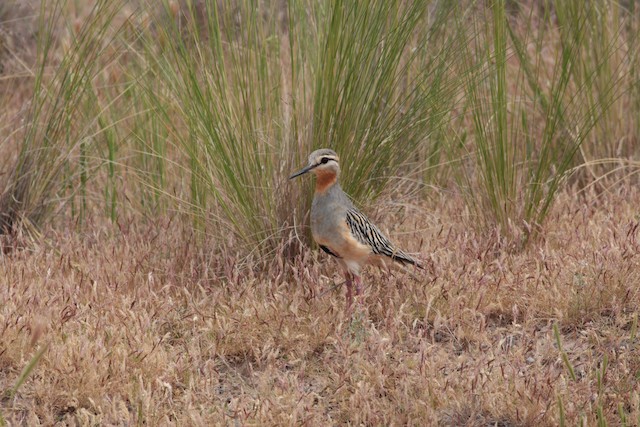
[330, 229]
[326, 223]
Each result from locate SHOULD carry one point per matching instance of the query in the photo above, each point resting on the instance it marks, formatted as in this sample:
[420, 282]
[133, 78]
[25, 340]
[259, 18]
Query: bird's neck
[325, 180]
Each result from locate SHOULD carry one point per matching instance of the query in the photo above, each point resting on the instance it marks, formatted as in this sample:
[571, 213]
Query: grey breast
[328, 213]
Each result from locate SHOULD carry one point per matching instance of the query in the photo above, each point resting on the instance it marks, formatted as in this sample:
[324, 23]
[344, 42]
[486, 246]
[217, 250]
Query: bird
[344, 232]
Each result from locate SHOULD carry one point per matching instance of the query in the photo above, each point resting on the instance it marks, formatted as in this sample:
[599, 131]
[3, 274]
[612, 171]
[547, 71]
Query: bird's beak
[301, 172]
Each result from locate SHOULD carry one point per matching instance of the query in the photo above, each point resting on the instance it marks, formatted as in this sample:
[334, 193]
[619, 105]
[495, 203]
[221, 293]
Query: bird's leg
[349, 283]
[359, 293]
[358, 283]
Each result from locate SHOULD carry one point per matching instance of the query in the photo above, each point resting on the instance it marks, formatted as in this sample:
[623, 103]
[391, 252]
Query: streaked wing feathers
[368, 234]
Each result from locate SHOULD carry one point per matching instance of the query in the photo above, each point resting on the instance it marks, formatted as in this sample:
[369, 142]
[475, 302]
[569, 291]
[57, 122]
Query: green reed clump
[248, 93]
[59, 129]
[525, 96]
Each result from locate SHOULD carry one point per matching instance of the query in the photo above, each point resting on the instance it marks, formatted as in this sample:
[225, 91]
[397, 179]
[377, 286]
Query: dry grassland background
[147, 279]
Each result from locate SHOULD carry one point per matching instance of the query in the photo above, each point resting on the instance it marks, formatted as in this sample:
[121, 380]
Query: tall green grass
[383, 87]
[205, 108]
[219, 92]
[247, 98]
[608, 53]
[59, 131]
[534, 97]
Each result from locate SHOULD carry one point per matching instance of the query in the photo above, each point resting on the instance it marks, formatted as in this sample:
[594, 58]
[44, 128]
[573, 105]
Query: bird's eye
[324, 160]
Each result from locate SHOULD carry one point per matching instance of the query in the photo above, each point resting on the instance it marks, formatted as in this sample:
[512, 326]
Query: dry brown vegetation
[139, 330]
[143, 318]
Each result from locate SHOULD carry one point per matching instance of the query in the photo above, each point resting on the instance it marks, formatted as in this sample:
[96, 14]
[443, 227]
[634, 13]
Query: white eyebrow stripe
[331, 158]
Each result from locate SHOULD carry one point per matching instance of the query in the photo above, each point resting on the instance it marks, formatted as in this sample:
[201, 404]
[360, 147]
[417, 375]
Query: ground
[146, 325]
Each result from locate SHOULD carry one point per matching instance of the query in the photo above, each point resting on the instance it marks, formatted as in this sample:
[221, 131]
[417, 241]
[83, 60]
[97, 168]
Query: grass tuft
[53, 147]
[532, 112]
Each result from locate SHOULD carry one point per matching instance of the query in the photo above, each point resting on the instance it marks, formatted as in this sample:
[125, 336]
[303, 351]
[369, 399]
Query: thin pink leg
[356, 279]
[349, 284]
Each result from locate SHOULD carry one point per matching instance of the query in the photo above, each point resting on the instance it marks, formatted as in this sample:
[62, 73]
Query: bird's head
[322, 163]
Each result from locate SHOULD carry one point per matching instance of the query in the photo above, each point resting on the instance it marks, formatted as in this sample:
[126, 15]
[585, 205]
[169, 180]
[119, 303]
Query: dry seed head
[38, 328]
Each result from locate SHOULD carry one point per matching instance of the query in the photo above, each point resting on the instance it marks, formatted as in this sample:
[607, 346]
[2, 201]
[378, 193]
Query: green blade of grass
[26, 371]
[563, 354]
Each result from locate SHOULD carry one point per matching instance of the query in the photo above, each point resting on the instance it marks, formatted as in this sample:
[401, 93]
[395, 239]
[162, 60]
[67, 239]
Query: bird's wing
[368, 234]
[329, 251]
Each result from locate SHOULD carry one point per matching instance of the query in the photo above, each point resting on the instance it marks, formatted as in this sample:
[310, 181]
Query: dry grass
[142, 327]
[139, 321]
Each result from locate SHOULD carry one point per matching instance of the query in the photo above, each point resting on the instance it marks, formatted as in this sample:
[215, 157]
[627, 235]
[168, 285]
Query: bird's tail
[403, 262]
[405, 259]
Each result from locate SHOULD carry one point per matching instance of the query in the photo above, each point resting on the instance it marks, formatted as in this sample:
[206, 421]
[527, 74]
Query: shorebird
[341, 230]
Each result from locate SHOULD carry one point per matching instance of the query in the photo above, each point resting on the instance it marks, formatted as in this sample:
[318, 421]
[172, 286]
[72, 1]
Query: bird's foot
[359, 292]
[349, 305]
